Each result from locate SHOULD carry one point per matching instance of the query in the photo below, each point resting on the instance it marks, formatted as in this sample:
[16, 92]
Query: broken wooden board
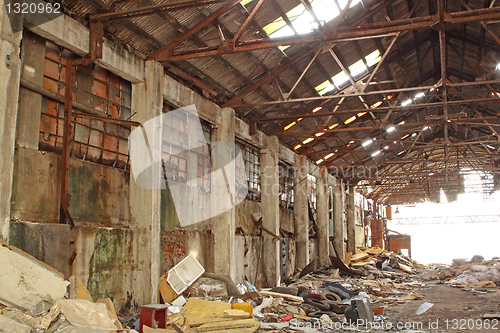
[230, 325]
[111, 311]
[25, 282]
[374, 251]
[347, 258]
[236, 314]
[199, 311]
[483, 284]
[285, 296]
[363, 262]
[359, 256]
[147, 329]
[405, 268]
[77, 289]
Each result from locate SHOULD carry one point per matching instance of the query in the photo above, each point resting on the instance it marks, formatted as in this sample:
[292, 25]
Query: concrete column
[351, 223]
[338, 221]
[270, 211]
[323, 225]
[147, 101]
[223, 225]
[10, 70]
[300, 213]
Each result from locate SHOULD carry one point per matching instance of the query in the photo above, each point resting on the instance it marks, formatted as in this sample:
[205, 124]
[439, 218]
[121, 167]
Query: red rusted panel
[110, 142]
[109, 156]
[100, 74]
[51, 69]
[114, 80]
[52, 107]
[60, 127]
[99, 89]
[50, 84]
[113, 111]
[48, 124]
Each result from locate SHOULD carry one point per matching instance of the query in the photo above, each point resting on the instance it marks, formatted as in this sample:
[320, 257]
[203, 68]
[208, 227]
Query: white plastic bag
[424, 307]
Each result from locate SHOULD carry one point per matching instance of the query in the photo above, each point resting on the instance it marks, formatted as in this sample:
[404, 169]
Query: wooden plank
[359, 256]
[347, 258]
[228, 325]
[77, 290]
[285, 296]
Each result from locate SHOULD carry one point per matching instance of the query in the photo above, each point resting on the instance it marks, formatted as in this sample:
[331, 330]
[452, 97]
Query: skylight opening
[333, 126]
[297, 146]
[306, 141]
[367, 143]
[421, 94]
[302, 21]
[316, 109]
[376, 105]
[328, 156]
[350, 120]
[405, 136]
[341, 79]
[287, 127]
[319, 134]
[319, 161]
[391, 129]
[407, 102]
[376, 153]
[360, 114]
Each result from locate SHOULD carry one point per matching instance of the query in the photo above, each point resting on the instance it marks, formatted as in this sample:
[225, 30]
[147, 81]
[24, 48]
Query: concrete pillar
[323, 225]
[147, 101]
[10, 70]
[351, 223]
[223, 225]
[300, 213]
[338, 221]
[270, 211]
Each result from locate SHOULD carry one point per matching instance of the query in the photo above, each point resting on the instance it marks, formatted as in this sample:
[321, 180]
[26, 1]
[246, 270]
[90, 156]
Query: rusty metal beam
[340, 34]
[247, 22]
[64, 216]
[164, 52]
[153, 9]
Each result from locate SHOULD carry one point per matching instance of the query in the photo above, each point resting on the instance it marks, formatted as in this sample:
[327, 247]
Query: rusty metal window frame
[286, 185]
[251, 156]
[93, 140]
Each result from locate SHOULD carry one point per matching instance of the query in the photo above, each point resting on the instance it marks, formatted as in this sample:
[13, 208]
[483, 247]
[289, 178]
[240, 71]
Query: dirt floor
[454, 310]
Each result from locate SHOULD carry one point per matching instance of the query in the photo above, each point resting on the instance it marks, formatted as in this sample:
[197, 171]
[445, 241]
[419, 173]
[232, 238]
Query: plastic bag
[82, 313]
[424, 307]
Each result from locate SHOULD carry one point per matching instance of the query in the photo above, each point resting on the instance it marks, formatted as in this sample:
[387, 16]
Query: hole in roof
[302, 20]
[341, 79]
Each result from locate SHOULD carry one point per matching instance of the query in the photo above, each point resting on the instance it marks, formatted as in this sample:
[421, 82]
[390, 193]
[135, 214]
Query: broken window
[175, 146]
[251, 156]
[203, 154]
[286, 185]
[95, 88]
[178, 153]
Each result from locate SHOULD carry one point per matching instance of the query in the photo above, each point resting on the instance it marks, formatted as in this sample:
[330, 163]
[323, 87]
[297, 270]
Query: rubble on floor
[359, 289]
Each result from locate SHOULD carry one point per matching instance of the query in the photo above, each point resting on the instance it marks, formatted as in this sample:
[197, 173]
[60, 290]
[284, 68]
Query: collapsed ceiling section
[401, 96]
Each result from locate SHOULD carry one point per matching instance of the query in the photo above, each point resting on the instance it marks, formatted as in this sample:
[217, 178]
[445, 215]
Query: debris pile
[474, 273]
[33, 298]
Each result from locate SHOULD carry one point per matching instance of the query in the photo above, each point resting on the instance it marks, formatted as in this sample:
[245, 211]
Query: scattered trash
[424, 307]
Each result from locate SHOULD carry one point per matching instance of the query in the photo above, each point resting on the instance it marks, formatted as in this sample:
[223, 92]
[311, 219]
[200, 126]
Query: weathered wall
[102, 256]
[98, 193]
[10, 68]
